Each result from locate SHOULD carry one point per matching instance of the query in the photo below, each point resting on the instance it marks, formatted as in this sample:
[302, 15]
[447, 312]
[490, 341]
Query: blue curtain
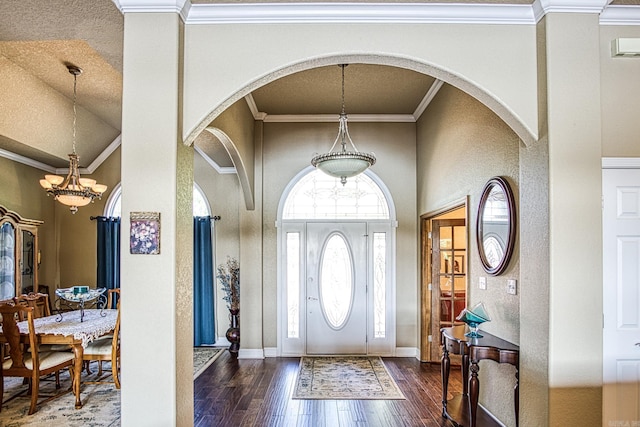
[108, 252]
[203, 282]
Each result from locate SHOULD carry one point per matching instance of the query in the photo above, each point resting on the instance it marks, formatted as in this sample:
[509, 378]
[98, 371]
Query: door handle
[316, 299]
[637, 344]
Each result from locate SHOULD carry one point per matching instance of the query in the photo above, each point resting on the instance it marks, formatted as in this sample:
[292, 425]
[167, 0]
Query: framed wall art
[145, 233]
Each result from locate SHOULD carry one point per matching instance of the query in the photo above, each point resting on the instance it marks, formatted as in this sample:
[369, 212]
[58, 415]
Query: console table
[473, 350]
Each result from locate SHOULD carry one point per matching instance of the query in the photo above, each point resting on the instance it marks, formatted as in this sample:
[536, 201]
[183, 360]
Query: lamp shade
[343, 164]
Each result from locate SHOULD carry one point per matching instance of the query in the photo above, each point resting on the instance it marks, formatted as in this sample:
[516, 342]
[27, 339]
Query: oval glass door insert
[336, 281]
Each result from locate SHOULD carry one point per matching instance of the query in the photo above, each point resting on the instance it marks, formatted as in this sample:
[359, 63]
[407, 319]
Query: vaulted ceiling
[38, 39]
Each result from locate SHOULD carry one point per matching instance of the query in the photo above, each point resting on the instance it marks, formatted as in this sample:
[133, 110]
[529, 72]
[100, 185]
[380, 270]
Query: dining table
[76, 329]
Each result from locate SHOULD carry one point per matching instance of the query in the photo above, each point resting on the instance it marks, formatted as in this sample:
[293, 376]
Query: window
[113, 207]
[319, 196]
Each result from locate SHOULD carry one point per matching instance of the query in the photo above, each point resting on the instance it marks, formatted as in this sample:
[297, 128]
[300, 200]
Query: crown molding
[334, 118]
[448, 13]
[431, 93]
[242, 13]
[27, 161]
[105, 154]
[620, 15]
[221, 170]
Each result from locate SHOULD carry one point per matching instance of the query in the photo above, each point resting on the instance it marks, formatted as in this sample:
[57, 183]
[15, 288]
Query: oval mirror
[496, 225]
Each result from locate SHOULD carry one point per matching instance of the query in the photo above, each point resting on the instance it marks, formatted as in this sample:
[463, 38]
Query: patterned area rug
[101, 402]
[345, 377]
[203, 357]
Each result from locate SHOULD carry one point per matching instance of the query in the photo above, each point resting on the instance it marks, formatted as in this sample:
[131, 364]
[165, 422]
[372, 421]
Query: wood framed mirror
[496, 226]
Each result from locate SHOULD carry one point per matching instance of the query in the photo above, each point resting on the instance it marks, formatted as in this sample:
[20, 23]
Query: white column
[157, 176]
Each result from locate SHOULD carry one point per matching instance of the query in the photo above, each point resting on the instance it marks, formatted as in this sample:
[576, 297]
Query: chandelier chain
[75, 114]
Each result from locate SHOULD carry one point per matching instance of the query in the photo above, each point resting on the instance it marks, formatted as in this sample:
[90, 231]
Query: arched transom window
[319, 196]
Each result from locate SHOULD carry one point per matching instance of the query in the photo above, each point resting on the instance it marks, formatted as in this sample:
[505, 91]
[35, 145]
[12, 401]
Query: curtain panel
[203, 282]
[108, 272]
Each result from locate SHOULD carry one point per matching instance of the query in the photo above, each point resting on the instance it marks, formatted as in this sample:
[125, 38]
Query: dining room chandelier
[342, 163]
[73, 190]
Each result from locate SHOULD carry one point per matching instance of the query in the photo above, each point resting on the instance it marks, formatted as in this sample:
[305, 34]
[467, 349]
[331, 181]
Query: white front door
[336, 294]
[621, 299]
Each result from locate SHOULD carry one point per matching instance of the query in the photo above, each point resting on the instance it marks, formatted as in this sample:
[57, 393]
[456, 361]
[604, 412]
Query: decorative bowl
[473, 318]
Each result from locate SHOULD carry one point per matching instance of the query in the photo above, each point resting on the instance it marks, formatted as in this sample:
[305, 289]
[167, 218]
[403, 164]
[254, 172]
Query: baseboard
[251, 353]
[500, 423]
[407, 352]
[270, 352]
[222, 342]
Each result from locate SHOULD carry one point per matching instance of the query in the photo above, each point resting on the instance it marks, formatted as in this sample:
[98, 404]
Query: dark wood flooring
[250, 392]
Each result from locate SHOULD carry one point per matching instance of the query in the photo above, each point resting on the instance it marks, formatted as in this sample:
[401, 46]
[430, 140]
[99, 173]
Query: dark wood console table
[472, 351]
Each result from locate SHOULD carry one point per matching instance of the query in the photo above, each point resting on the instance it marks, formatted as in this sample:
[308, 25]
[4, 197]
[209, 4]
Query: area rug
[203, 357]
[101, 402]
[345, 377]
[101, 405]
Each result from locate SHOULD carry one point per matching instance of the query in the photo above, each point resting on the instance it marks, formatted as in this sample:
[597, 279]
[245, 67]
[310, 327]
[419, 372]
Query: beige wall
[620, 94]
[288, 149]
[20, 192]
[223, 194]
[461, 145]
[77, 233]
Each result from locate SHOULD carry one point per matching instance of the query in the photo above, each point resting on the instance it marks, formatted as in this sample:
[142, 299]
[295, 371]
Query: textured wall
[288, 149]
[461, 144]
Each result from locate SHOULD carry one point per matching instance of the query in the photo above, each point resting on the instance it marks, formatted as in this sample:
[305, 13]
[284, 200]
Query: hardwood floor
[250, 392]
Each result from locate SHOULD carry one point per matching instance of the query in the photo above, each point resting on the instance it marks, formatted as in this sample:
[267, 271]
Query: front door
[336, 303]
[621, 299]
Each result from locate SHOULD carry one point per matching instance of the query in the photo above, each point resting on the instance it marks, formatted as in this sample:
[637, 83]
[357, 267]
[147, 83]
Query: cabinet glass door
[27, 262]
[7, 261]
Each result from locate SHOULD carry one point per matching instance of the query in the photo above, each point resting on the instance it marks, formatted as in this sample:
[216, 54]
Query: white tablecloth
[96, 323]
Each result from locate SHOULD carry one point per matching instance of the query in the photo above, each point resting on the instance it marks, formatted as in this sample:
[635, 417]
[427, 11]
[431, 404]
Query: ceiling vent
[625, 47]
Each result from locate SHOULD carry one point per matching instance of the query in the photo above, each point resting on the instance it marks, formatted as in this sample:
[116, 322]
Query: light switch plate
[511, 286]
[482, 282]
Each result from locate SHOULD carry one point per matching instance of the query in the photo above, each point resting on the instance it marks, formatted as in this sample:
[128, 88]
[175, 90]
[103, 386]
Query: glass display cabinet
[19, 253]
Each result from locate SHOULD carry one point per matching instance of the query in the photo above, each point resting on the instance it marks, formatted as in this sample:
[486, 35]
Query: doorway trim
[383, 347]
[427, 338]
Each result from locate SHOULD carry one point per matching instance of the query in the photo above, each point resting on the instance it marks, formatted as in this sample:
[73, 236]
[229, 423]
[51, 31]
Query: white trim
[105, 154]
[333, 118]
[277, 13]
[251, 353]
[270, 352]
[222, 342]
[620, 15]
[431, 93]
[542, 7]
[27, 161]
[620, 162]
[449, 13]
[407, 352]
[221, 170]
[116, 193]
[257, 115]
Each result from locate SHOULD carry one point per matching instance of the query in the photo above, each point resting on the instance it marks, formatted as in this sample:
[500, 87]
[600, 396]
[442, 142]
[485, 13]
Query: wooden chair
[28, 364]
[38, 301]
[105, 350]
[113, 295]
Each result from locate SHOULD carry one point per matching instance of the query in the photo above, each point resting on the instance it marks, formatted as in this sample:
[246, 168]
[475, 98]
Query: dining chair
[105, 350]
[113, 295]
[38, 301]
[29, 364]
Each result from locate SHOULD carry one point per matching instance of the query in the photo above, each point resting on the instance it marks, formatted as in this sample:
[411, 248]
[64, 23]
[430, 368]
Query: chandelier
[341, 163]
[73, 191]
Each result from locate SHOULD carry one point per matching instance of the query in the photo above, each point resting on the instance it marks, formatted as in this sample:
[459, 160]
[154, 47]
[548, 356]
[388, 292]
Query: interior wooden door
[448, 275]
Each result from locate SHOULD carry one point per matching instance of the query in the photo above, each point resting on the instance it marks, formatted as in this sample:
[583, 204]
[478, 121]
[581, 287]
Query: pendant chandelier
[341, 163]
[73, 191]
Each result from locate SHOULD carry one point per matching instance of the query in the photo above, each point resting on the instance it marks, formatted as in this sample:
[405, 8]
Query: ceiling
[38, 39]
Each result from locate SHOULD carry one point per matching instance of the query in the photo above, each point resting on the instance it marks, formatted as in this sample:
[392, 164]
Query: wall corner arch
[243, 177]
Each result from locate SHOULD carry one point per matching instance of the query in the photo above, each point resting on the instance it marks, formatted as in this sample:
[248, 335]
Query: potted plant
[229, 277]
